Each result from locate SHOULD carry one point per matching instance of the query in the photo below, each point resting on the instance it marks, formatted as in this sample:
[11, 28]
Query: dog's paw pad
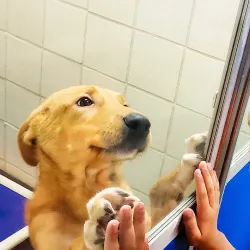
[196, 143]
[108, 214]
[103, 208]
[94, 235]
[191, 159]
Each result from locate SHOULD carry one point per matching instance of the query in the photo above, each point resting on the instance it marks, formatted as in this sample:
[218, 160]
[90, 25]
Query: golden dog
[79, 137]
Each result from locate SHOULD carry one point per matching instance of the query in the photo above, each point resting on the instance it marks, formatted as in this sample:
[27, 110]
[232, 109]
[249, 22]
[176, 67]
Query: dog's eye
[84, 101]
[125, 105]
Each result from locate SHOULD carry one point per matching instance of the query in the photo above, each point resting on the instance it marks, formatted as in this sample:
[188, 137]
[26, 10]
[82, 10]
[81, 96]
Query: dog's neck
[77, 186]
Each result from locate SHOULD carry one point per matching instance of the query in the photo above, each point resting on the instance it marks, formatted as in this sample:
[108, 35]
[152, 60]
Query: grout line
[42, 57]
[140, 191]
[135, 29]
[137, 88]
[178, 82]
[45, 49]
[131, 47]
[84, 44]
[9, 124]
[168, 101]
[154, 35]
[246, 133]
[62, 56]
[16, 84]
[111, 77]
[161, 167]
[73, 5]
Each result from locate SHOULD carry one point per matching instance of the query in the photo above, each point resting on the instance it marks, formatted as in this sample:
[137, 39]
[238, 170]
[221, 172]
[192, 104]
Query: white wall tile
[2, 53]
[3, 14]
[42, 99]
[23, 63]
[244, 126]
[184, 124]
[64, 29]
[166, 18]
[155, 65]
[118, 10]
[169, 165]
[157, 111]
[1, 139]
[19, 103]
[20, 175]
[107, 47]
[2, 98]
[25, 19]
[143, 198]
[13, 155]
[92, 77]
[80, 3]
[242, 140]
[212, 26]
[150, 163]
[200, 79]
[58, 73]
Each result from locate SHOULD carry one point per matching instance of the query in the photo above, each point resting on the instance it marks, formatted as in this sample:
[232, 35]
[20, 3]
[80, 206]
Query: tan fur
[67, 143]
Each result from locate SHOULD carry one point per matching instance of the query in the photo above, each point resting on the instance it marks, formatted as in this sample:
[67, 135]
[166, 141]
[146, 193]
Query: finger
[201, 192]
[216, 188]
[192, 229]
[126, 230]
[208, 183]
[111, 236]
[139, 226]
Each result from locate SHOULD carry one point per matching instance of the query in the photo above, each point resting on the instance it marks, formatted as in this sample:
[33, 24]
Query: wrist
[222, 242]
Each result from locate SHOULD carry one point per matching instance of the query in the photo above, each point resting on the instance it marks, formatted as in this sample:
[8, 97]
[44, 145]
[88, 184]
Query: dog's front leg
[169, 190]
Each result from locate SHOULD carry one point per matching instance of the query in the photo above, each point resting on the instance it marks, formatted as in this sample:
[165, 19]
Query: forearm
[220, 242]
[223, 243]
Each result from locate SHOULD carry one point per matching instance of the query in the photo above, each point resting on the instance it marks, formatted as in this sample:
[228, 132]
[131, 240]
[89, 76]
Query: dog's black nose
[137, 122]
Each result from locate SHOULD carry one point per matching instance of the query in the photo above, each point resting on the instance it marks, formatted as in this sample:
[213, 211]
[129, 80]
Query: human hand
[202, 229]
[131, 230]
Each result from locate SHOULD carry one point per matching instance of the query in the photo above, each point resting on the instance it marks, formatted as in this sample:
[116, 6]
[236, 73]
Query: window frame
[230, 103]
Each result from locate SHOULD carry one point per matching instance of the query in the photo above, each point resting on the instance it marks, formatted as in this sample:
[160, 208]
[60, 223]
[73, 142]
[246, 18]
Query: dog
[79, 137]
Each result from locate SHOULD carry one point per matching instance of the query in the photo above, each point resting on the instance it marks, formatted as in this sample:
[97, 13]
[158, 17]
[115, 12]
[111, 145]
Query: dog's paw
[191, 160]
[103, 208]
[196, 143]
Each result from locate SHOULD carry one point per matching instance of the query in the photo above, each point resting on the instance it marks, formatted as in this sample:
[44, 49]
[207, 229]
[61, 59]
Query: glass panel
[244, 135]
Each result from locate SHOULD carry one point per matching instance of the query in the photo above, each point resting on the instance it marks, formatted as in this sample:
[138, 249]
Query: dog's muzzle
[135, 131]
[134, 134]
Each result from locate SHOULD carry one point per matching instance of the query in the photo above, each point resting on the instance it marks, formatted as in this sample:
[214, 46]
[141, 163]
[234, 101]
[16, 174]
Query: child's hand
[202, 229]
[131, 230]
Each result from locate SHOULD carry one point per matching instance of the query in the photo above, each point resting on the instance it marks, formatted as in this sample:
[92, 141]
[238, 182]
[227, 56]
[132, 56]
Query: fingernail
[188, 213]
[115, 225]
[140, 206]
[198, 172]
[127, 210]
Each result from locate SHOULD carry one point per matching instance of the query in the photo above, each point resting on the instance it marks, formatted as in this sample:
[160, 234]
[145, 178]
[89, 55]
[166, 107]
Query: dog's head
[83, 123]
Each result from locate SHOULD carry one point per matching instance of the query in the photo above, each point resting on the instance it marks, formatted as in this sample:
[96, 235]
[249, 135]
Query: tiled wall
[167, 56]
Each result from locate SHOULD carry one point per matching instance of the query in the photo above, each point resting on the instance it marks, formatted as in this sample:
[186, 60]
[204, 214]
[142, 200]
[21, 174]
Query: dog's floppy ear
[27, 137]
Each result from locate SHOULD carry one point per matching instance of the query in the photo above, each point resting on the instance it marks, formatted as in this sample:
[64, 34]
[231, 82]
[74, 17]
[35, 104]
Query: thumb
[111, 236]
[192, 229]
